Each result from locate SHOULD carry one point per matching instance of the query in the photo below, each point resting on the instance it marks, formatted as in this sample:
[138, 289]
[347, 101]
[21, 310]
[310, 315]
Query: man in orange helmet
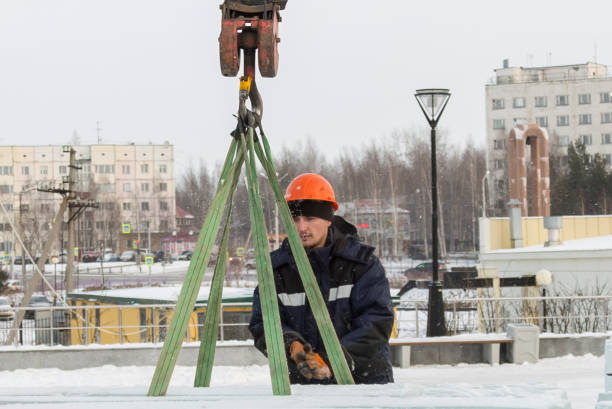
[353, 284]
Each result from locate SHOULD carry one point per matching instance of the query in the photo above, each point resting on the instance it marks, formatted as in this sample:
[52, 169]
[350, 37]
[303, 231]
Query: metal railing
[555, 314]
[110, 324]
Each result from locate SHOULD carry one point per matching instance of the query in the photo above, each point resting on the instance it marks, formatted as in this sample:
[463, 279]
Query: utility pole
[71, 216]
[76, 206]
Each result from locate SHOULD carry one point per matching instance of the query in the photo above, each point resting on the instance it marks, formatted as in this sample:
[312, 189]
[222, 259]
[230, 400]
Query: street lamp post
[432, 102]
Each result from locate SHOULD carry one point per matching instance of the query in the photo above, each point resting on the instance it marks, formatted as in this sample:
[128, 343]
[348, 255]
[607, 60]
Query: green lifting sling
[245, 148]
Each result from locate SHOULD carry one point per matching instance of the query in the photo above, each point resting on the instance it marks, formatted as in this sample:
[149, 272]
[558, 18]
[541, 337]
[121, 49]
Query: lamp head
[432, 102]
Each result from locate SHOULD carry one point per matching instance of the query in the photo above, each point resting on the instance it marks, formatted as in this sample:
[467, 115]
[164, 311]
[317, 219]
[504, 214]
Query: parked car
[128, 255]
[249, 259]
[186, 255]
[159, 256]
[90, 256]
[37, 300]
[424, 270]
[145, 253]
[6, 311]
[19, 260]
[13, 285]
[110, 257]
[38, 256]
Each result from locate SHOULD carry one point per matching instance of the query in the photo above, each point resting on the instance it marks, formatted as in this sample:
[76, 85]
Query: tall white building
[573, 102]
[133, 184]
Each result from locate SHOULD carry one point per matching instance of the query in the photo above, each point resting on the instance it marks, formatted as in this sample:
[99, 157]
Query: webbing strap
[206, 355]
[337, 359]
[275, 344]
[193, 279]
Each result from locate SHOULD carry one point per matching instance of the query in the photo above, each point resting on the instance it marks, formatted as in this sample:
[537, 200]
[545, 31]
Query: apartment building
[133, 184]
[573, 102]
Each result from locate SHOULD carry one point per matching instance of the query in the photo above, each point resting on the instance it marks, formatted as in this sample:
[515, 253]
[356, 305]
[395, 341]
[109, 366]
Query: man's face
[312, 230]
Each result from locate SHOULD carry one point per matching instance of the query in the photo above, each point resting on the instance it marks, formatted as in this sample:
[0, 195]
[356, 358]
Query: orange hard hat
[310, 186]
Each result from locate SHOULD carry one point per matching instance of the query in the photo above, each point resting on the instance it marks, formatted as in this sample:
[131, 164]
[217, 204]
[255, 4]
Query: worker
[352, 282]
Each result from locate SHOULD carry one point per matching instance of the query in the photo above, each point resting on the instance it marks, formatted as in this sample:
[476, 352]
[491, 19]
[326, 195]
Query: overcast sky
[148, 70]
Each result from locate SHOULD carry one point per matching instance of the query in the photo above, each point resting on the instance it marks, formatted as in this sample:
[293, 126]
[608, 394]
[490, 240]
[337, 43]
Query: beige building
[134, 184]
[572, 102]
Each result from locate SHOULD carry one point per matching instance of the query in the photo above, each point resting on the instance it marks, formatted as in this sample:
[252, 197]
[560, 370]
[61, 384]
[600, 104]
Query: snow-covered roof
[590, 244]
[161, 295]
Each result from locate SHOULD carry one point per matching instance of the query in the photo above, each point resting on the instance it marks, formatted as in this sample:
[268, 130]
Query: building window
[605, 97]
[499, 124]
[518, 102]
[25, 170]
[499, 163]
[125, 169]
[586, 139]
[584, 119]
[584, 99]
[163, 205]
[127, 205]
[163, 168]
[144, 187]
[563, 140]
[163, 225]
[519, 121]
[562, 100]
[542, 121]
[541, 102]
[6, 170]
[498, 144]
[63, 170]
[105, 169]
[106, 187]
[163, 187]
[127, 187]
[44, 170]
[99, 225]
[606, 138]
[6, 188]
[498, 103]
[500, 185]
[563, 120]
[24, 207]
[144, 168]
[144, 206]
[44, 207]
[606, 117]
[607, 157]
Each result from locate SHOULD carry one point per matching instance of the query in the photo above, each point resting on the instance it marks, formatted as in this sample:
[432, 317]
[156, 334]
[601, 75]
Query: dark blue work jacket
[356, 292]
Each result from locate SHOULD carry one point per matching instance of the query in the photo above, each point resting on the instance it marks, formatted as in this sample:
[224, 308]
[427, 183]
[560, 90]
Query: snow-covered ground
[550, 383]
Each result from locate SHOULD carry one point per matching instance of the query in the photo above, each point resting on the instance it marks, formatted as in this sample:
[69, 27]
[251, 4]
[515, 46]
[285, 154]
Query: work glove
[310, 364]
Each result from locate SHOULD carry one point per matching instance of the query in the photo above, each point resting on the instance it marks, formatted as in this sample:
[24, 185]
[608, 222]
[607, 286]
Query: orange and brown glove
[310, 364]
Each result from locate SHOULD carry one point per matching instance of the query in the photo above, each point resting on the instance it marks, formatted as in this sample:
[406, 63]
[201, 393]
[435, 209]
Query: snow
[550, 383]
[590, 243]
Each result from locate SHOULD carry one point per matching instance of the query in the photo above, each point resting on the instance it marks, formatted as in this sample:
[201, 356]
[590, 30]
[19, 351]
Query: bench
[521, 345]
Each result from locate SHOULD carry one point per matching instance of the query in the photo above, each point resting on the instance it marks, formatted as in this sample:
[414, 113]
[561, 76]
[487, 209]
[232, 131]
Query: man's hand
[310, 364]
